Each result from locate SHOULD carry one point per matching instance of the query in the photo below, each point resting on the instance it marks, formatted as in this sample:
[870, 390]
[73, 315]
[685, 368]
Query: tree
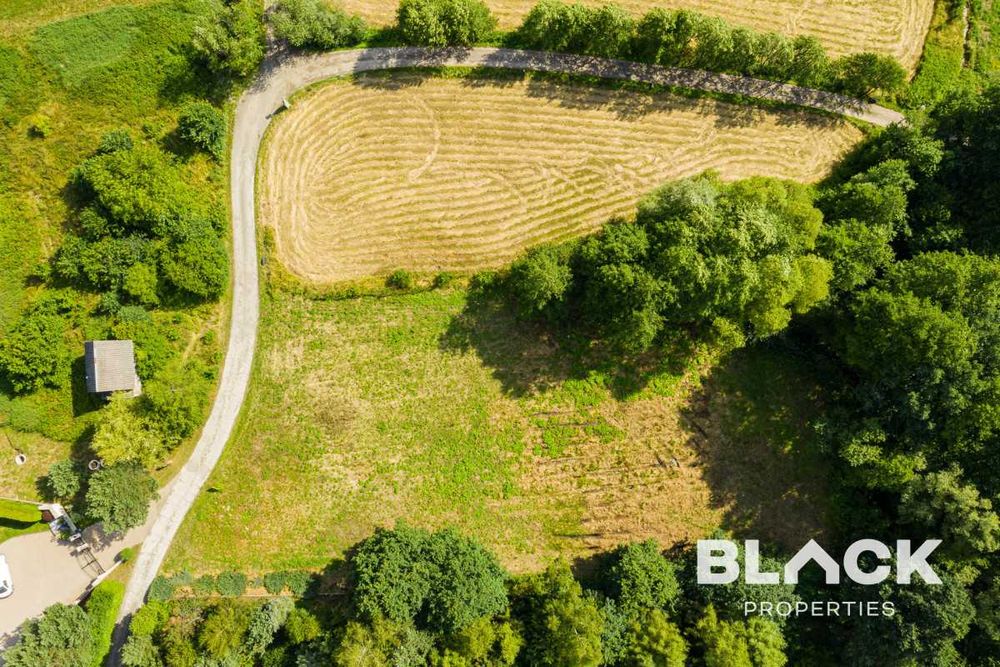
[265, 623]
[32, 352]
[301, 626]
[861, 74]
[755, 643]
[175, 400]
[443, 580]
[223, 630]
[195, 260]
[538, 281]
[640, 578]
[140, 651]
[60, 638]
[204, 126]
[63, 480]
[444, 22]
[483, 642]
[810, 64]
[122, 434]
[857, 251]
[314, 24]
[233, 42]
[947, 508]
[654, 641]
[120, 495]
[561, 625]
[925, 354]
[380, 643]
[611, 31]
[135, 190]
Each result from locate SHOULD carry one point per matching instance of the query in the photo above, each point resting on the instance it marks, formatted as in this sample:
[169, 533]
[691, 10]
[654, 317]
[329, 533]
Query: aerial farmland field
[461, 173]
[893, 27]
[499, 333]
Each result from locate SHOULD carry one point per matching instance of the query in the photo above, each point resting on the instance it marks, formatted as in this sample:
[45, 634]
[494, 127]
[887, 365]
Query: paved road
[283, 75]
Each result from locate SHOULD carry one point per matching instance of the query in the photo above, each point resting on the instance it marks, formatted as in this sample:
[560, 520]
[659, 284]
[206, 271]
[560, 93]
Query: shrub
[274, 582]
[313, 24]
[63, 480]
[150, 618]
[231, 584]
[114, 141]
[39, 125]
[444, 22]
[298, 581]
[181, 579]
[400, 279]
[102, 608]
[442, 280]
[204, 126]
[161, 588]
[126, 554]
[33, 353]
[203, 585]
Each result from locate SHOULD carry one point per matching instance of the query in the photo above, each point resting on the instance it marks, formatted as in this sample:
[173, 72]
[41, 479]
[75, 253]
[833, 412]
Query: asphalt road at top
[281, 76]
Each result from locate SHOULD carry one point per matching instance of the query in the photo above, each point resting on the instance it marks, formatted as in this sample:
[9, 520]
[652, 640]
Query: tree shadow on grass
[528, 357]
[750, 425]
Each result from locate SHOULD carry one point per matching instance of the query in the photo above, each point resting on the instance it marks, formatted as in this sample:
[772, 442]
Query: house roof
[110, 366]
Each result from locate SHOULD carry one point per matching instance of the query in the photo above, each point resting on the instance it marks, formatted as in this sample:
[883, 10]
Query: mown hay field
[456, 173]
[893, 27]
[442, 410]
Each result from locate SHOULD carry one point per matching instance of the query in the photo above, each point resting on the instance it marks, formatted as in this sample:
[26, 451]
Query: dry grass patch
[894, 27]
[445, 173]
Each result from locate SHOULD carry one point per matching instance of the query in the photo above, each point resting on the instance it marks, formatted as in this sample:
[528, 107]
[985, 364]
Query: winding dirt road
[283, 75]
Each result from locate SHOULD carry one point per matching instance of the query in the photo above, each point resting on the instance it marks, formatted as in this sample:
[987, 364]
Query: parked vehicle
[6, 583]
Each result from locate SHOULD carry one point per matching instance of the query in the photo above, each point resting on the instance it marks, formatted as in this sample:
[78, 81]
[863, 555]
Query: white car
[6, 583]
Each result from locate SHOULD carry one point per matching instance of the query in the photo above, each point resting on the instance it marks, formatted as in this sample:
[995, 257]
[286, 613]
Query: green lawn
[421, 407]
[81, 69]
[18, 518]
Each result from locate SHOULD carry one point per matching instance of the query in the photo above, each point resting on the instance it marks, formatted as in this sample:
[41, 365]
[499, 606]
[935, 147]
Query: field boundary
[281, 76]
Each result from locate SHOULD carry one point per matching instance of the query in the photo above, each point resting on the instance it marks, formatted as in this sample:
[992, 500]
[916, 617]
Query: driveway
[45, 571]
[280, 77]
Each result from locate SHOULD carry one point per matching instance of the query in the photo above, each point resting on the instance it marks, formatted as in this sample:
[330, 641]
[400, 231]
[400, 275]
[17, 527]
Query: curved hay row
[446, 174]
[895, 27]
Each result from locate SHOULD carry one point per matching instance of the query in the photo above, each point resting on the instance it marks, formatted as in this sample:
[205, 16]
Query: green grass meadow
[427, 408]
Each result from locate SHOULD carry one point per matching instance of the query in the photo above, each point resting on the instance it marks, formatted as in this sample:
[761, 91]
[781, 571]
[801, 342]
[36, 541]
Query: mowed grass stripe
[437, 174]
[894, 27]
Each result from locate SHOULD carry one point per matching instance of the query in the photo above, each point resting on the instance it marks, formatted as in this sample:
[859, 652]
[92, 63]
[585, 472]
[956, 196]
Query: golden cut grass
[447, 173]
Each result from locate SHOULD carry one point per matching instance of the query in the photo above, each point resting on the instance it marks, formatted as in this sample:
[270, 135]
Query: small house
[110, 367]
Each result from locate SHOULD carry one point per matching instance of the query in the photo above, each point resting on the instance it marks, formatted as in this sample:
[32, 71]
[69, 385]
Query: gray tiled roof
[110, 366]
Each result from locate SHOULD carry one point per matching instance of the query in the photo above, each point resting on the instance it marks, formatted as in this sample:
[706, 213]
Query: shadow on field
[749, 423]
[527, 357]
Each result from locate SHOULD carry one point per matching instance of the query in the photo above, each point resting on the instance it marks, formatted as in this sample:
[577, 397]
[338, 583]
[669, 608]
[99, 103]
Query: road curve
[280, 77]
